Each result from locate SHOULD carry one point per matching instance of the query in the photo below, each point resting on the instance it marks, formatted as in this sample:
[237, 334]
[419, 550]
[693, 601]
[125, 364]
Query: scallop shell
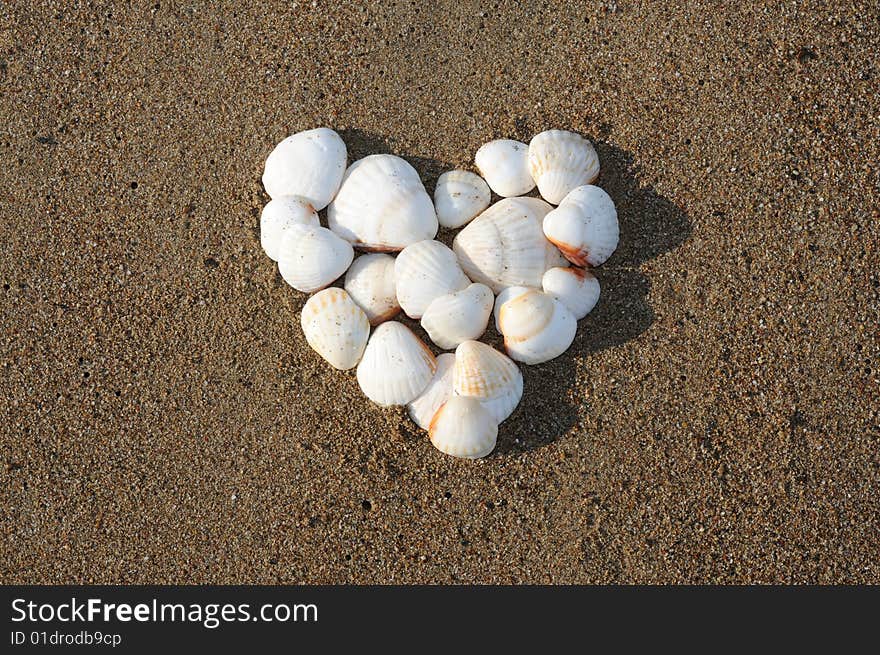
[462, 427]
[382, 205]
[459, 316]
[574, 287]
[459, 197]
[504, 246]
[308, 164]
[560, 161]
[424, 271]
[311, 257]
[278, 215]
[483, 373]
[584, 226]
[439, 389]
[396, 366]
[370, 283]
[335, 327]
[536, 327]
[505, 165]
[506, 294]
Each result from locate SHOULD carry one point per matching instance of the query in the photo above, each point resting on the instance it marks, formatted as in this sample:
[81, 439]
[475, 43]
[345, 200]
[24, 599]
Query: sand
[164, 421]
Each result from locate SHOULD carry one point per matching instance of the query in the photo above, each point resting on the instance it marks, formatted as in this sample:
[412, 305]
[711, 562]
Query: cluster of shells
[520, 261]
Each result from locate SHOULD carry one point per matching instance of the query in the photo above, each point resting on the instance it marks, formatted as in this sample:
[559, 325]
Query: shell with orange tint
[483, 373]
[335, 327]
[462, 427]
[536, 327]
[574, 287]
[584, 226]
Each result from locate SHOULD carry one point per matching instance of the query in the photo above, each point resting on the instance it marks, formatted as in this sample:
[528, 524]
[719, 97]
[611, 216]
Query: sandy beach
[163, 420]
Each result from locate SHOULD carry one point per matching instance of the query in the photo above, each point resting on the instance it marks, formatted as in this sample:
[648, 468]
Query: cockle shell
[459, 316]
[396, 365]
[584, 226]
[574, 287]
[505, 165]
[462, 427]
[278, 215]
[504, 246]
[311, 257]
[370, 283]
[439, 389]
[536, 327]
[459, 196]
[483, 373]
[506, 294]
[335, 327]
[424, 271]
[309, 164]
[382, 205]
[560, 161]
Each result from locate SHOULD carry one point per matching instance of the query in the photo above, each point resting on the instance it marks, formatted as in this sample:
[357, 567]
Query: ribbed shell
[382, 205]
[370, 283]
[335, 327]
[459, 196]
[439, 389]
[574, 287]
[278, 215]
[536, 327]
[312, 257]
[505, 165]
[460, 316]
[396, 365]
[424, 271]
[560, 161]
[491, 377]
[504, 246]
[309, 164]
[584, 226]
[462, 427]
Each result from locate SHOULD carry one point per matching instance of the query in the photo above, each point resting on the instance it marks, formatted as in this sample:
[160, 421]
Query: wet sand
[163, 419]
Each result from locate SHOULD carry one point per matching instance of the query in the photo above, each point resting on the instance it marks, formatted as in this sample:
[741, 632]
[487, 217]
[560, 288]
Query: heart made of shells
[523, 262]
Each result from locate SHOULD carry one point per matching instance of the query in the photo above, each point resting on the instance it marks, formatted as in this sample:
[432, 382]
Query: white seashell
[459, 316]
[560, 161]
[462, 427]
[370, 283]
[536, 327]
[424, 271]
[506, 294]
[439, 389]
[308, 164]
[382, 205]
[459, 197]
[396, 366]
[278, 215]
[584, 226]
[335, 327]
[505, 165]
[491, 377]
[574, 287]
[504, 246]
[311, 257]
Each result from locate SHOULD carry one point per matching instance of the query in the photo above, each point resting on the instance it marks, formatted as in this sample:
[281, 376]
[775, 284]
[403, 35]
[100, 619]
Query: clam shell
[462, 427]
[309, 164]
[505, 295]
[424, 271]
[491, 377]
[459, 196]
[311, 257]
[370, 283]
[560, 161]
[459, 316]
[584, 226]
[574, 287]
[504, 246]
[439, 389]
[278, 215]
[536, 327]
[335, 327]
[396, 365]
[382, 205]
[505, 165]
